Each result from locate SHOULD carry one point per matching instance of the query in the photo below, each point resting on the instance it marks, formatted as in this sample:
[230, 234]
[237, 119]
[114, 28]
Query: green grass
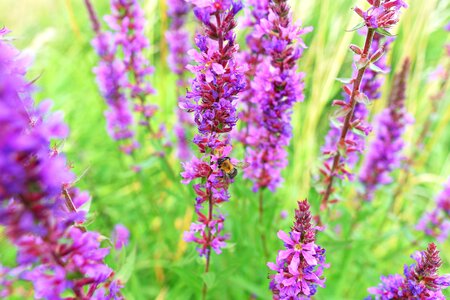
[157, 208]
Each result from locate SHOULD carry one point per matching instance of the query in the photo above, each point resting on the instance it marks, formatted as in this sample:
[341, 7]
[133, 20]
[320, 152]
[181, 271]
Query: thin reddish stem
[348, 118]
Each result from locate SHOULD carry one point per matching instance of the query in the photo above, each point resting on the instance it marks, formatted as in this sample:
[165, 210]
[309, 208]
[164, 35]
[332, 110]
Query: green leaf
[209, 279]
[344, 80]
[384, 32]
[360, 25]
[128, 267]
[377, 69]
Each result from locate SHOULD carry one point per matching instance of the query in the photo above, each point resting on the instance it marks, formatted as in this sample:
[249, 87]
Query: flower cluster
[384, 152]
[382, 13]
[178, 41]
[39, 210]
[275, 86]
[300, 266]
[122, 73]
[437, 222]
[342, 142]
[256, 11]
[218, 80]
[420, 280]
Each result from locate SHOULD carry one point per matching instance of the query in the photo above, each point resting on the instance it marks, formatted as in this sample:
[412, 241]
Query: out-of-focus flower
[384, 154]
[437, 222]
[218, 80]
[112, 81]
[420, 280]
[275, 86]
[178, 40]
[120, 236]
[300, 266]
[39, 210]
[123, 71]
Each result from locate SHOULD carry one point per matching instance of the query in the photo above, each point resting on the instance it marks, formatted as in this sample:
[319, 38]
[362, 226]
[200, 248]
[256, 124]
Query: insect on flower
[229, 168]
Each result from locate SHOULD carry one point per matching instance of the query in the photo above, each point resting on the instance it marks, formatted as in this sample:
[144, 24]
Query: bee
[228, 168]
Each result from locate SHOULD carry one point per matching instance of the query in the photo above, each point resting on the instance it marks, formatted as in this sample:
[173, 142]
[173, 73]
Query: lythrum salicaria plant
[381, 16]
[441, 75]
[371, 83]
[40, 211]
[212, 97]
[275, 47]
[179, 44]
[384, 154]
[255, 11]
[123, 71]
[419, 281]
[437, 222]
[299, 267]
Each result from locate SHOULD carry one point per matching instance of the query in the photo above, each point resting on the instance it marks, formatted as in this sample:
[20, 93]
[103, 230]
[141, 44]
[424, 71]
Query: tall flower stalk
[381, 15]
[275, 86]
[40, 210]
[384, 154]
[442, 75]
[178, 39]
[419, 280]
[211, 99]
[255, 11]
[437, 222]
[300, 266]
[123, 71]
[371, 83]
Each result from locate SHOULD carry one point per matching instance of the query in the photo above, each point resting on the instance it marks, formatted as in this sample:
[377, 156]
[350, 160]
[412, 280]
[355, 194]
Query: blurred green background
[157, 208]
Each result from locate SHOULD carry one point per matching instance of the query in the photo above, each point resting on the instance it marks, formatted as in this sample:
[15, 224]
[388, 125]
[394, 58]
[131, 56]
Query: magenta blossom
[299, 268]
[212, 100]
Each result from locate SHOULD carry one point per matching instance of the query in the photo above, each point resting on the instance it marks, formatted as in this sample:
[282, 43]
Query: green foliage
[361, 244]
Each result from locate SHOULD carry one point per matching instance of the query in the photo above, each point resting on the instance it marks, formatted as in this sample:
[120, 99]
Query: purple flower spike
[343, 142]
[384, 152]
[127, 23]
[41, 214]
[275, 47]
[179, 44]
[123, 71]
[300, 266]
[371, 84]
[218, 80]
[437, 222]
[420, 280]
[383, 15]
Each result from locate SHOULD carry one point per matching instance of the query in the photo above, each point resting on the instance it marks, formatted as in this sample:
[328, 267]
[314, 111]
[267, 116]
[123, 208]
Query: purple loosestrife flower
[420, 280]
[383, 15]
[123, 71]
[384, 153]
[127, 24]
[378, 18]
[217, 82]
[54, 251]
[437, 222]
[300, 266]
[120, 236]
[178, 40]
[371, 84]
[112, 81]
[256, 11]
[275, 88]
